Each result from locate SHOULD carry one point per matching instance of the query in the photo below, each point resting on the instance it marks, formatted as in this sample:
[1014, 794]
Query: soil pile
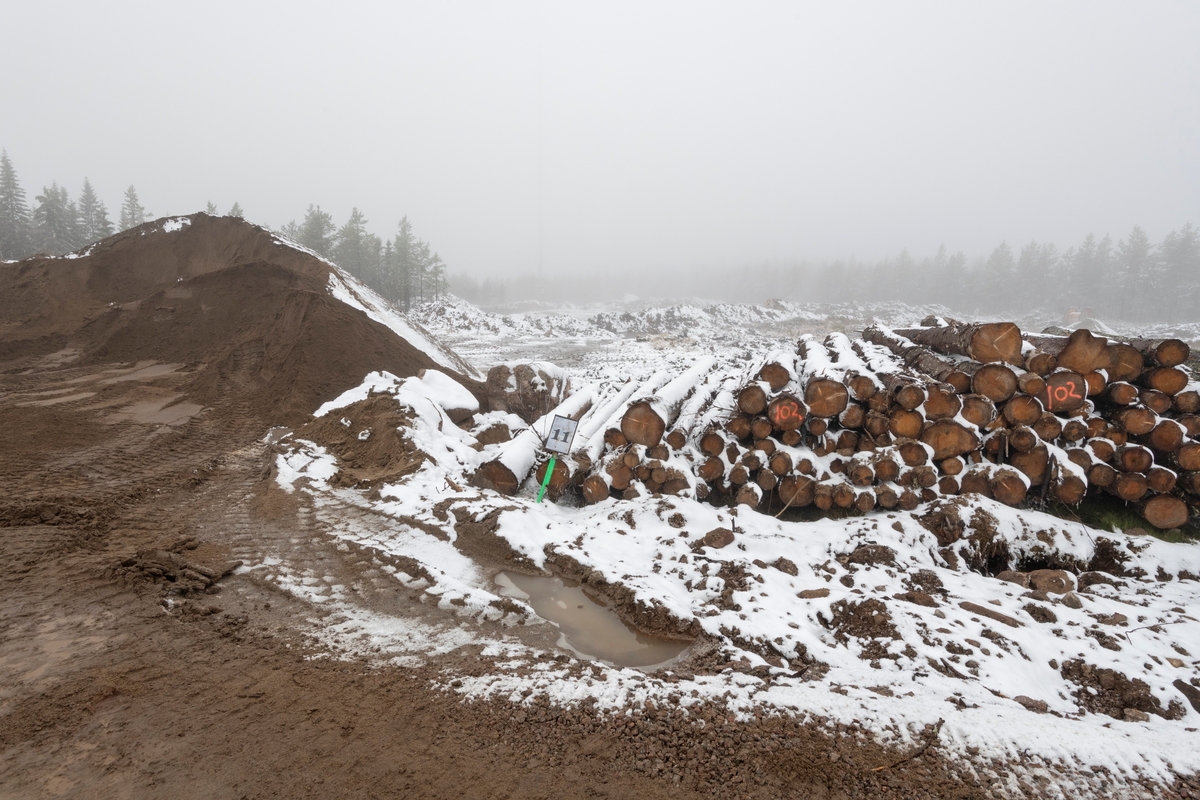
[251, 318]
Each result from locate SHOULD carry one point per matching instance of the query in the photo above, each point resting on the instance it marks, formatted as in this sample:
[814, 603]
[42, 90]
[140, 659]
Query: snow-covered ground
[867, 620]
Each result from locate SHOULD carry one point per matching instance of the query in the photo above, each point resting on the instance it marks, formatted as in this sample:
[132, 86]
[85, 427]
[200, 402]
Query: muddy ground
[110, 473]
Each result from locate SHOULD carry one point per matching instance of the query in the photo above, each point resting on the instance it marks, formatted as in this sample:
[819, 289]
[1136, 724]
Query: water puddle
[589, 629]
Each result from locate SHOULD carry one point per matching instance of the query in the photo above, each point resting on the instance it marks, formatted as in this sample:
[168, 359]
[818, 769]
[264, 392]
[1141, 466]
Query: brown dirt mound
[385, 456]
[251, 317]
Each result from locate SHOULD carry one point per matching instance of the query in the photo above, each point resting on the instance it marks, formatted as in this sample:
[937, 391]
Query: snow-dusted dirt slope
[1077, 672]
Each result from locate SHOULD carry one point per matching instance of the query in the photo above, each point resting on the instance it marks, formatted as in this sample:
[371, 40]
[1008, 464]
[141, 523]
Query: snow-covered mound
[1039, 642]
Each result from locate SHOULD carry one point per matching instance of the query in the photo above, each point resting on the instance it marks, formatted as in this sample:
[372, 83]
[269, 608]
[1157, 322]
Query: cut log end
[1164, 511]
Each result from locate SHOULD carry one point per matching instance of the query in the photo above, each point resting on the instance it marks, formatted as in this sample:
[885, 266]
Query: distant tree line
[403, 269]
[55, 224]
[1133, 279]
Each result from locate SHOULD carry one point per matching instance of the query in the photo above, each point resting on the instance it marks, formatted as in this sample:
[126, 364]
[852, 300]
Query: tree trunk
[797, 491]
[1080, 352]
[986, 342]
[1008, 486]
[1164, 352]
[1164, 511]
[786, 413]
[646, 420]
[1041, 363]
[949, 439]
[1048, 427]
[1168, 380]
[1129, 486]
[997, 382]
[1125, 363]
[825, 398]
[906, 424]
[978, 410]
[917, 357]
[752, 399]
[1065, 391]
[517, 458]
[1121, 393]
[1022, 410]
[1187, 401]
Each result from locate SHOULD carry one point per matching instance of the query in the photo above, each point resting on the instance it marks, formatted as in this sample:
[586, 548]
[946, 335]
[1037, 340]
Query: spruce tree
[317, 231]
[94, 223]
[998, 278]
[132, 211]
[236, 211]
[405, 256]
[55, 222]
[211, 209]
[15, 239]
[1136, 273]
[350, 249]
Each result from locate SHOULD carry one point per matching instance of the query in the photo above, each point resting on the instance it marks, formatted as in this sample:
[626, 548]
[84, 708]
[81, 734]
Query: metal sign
[562, 433]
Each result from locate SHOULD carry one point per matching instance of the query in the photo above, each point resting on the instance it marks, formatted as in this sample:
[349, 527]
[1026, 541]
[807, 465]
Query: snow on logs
[506, 472]
[900, 417]
[646, 420]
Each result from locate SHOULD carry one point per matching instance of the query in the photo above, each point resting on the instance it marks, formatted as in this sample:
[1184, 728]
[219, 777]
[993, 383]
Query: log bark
[915, 357]
[986, 342]
[1164, 511]
[1164, 352]
[647, 419]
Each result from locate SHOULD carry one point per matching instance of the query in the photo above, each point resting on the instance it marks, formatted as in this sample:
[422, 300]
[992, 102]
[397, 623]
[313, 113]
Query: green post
[546, 480]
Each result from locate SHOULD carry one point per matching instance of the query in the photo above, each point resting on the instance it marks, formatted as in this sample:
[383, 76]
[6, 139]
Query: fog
[666, 137]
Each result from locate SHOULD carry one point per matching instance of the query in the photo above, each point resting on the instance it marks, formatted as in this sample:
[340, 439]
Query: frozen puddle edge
[588, 628]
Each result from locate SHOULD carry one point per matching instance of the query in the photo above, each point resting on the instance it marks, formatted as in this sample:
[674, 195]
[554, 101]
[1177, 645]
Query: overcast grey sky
[624, 135]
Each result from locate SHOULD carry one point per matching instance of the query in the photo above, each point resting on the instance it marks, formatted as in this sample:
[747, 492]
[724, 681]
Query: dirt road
[113, 685]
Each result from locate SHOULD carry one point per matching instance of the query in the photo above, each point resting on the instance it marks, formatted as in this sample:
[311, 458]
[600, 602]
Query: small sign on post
[558, 441]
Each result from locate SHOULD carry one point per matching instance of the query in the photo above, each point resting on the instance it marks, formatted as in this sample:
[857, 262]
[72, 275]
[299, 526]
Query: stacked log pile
[901, 417]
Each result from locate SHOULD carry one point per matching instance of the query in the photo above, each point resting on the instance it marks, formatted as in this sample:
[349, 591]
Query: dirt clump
[1107, 691]
[368, 438]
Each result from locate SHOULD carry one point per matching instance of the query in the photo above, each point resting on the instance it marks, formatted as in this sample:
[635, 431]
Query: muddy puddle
[588, 628]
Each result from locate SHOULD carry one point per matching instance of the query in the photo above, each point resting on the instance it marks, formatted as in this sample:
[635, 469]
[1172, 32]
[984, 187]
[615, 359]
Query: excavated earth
[138, 388]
